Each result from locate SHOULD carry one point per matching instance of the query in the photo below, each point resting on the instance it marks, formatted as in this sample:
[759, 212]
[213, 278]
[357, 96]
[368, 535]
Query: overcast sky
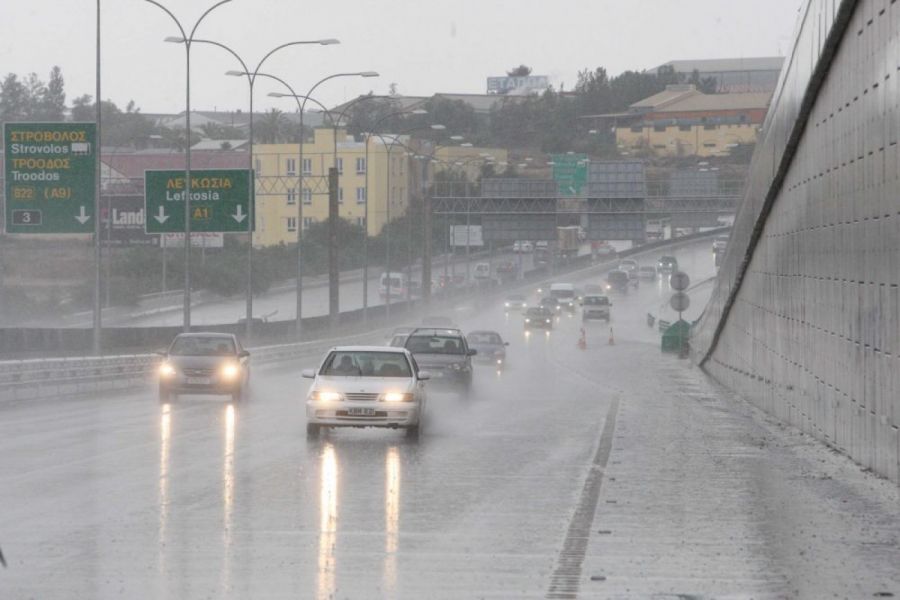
[424, 46]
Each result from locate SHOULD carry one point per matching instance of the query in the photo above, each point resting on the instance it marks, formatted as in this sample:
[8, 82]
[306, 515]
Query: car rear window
[342, 363]
[484, 338]
[596, 301]
[435, 344]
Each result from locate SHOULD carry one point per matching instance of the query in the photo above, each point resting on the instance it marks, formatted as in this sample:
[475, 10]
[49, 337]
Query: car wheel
[412, 433]
[312, 430]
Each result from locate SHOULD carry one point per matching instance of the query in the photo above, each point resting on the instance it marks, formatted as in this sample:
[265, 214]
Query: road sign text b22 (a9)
[219, 200]
[51, 171]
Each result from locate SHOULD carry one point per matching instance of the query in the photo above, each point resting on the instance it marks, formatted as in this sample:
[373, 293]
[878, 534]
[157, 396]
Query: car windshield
[615, 276]
[202, 346]
[537, 312]
[435, 344]
[596, 301]
[347, 363]
[549, 302]
[516, 298]
[484, 337]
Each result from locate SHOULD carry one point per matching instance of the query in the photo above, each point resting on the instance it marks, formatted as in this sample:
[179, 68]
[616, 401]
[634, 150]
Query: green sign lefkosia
[219, 200]
[570, 173]
[50, 181]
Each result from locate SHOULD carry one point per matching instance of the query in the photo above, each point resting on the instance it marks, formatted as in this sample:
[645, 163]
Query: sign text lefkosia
[219, 200]
[50, 177]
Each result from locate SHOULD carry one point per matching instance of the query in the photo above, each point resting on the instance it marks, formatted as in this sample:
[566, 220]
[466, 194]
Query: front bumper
[448, 378]
[179, 384]
[380, 414]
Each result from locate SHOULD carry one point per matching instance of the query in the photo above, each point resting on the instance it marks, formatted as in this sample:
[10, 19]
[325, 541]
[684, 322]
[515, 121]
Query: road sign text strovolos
[50, 177]
[219, 200]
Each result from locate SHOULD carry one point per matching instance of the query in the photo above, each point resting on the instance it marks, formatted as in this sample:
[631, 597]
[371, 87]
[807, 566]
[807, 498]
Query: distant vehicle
[595, 306]
[604, 249]
[720, 243]
[617, 281]
[631, 267]
[506, 267]
[515, 302]
[395, 285]
[398, 340]
[482, 271]
[551, 304]
[445, 354]
[594, 288]
[667, 264]
[564, 294]
[438, 321]
[542, 244]
[654, 230]
[539, 317]
[366, 386]
[647, 272]
[523, 247]
[541, 255]
[568, 241]
[204, 363]
[490, 346]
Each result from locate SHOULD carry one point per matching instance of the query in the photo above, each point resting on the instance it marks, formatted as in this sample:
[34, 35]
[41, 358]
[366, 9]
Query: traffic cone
[612, 338]
[582, 340]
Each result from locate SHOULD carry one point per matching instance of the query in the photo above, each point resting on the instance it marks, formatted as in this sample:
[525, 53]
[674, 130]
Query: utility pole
[334, 274]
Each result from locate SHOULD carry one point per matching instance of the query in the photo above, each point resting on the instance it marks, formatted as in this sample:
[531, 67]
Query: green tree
[14, 102]
[53, 102]
[273, 128]
[520, 71]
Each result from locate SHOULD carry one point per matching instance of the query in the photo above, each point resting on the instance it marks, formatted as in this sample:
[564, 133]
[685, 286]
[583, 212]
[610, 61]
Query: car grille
[199, 372]
[361, 397]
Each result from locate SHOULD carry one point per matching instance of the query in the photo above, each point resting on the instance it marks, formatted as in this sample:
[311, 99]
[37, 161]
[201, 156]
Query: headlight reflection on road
[228, 495]
[391, 518]
[165, 437]
[328, 502]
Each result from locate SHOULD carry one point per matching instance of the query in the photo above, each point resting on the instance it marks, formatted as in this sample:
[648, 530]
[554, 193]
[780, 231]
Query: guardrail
[42, 378]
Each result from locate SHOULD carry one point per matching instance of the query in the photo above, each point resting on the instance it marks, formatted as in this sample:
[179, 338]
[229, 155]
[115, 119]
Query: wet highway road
[505, 495]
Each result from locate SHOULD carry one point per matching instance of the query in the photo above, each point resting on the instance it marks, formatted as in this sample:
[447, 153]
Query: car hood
[373, 385]
[200, 362]
[430, 361]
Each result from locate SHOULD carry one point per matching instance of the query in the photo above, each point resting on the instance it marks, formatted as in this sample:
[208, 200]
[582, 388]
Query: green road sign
[570, 173]
[218, 201]
[50, 177]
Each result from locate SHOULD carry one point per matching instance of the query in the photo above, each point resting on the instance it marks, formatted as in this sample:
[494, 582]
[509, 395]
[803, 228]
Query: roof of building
[672, 93]
[686, 98]
[207, 144]
[133, 164]
[718, 65]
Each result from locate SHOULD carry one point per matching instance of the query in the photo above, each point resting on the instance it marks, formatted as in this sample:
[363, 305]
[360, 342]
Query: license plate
[198, 380]
[361, 412]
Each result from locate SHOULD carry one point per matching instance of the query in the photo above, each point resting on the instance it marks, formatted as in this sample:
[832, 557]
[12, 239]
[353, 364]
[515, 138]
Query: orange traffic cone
[612, 338]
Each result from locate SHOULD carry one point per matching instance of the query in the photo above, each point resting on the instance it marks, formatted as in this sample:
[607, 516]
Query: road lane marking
[566, 578]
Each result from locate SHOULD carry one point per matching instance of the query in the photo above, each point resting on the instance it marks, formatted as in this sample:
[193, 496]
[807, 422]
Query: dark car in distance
[204, 363]
[538, 317]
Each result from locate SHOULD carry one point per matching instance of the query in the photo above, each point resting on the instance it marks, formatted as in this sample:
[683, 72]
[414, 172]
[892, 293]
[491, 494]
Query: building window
[340, 195]
[292, 224]
[292, 197]
[710, 127]
[659, 127]
[307, 222]
[684, 128]
[637, 128]
[361, 222]
[290, 166]
[340, 166]
[307, 166]
[360, 195]
[360, 166]
[257, 166]
[709, 144]
[307, 196]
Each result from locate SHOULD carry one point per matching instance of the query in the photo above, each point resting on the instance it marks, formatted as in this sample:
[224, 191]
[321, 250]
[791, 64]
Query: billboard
[504, 85]
[462, 236]
[122, 219]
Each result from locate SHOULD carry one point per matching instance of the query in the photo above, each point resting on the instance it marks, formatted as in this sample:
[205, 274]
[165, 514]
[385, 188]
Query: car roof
[369, 349]
[484, 331]
[436, 331]
[210, 334]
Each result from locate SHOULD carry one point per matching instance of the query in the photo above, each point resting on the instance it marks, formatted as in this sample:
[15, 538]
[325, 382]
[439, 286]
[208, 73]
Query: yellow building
[363, 179]
[682, 121]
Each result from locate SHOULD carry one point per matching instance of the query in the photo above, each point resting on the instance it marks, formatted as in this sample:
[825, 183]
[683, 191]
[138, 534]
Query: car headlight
[548, 320]
[456, 366]
[327, 396]
[528, 320]
[166, 370]
[397, 397]
[230, 371]
[507, 305]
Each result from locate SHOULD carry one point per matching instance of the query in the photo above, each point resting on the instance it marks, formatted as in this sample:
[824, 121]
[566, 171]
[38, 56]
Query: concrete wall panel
[805, 317]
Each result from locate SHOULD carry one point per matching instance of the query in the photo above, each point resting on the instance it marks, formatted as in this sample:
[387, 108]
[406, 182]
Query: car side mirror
[424, 375]
[309, 373]
[244, 354]
[472, 352]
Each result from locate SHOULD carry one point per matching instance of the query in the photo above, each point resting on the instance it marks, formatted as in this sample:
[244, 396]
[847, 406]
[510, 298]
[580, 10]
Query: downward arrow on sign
[82, 217]
[239, 215]
[162, 217]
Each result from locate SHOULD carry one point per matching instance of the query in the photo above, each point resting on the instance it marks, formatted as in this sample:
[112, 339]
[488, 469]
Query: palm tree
[273, 128]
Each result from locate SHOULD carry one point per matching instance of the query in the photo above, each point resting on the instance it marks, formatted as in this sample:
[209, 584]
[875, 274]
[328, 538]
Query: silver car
[366, 386]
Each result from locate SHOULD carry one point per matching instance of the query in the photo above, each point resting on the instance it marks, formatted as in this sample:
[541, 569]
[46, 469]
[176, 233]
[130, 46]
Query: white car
[366, 386]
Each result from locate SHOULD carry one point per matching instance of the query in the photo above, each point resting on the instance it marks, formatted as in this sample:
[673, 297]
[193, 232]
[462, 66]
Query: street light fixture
[186, 40]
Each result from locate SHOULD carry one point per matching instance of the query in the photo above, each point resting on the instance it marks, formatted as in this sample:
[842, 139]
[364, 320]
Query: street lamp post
[299, 315]
[187, 39]
[251, 200]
